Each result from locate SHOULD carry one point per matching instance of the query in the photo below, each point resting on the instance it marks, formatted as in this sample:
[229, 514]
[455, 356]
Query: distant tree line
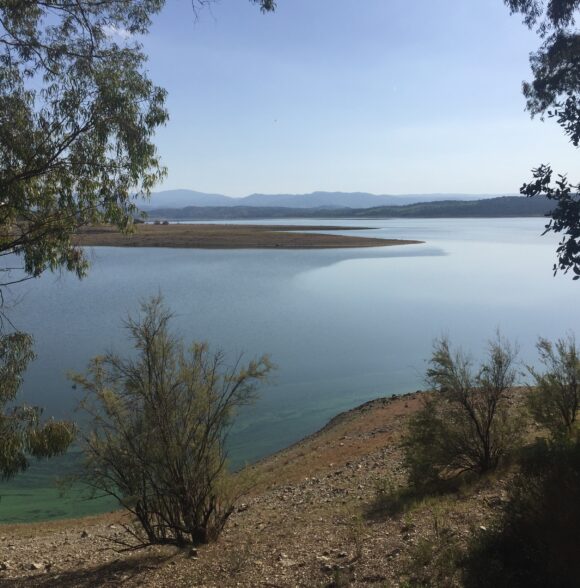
[504, 206]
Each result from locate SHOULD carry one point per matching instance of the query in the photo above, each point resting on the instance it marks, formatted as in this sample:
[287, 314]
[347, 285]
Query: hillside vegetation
[504, 206]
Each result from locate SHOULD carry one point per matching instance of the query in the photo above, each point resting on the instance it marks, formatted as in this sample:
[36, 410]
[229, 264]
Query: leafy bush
[554, 399]
[159, 427]
[466, 424]
[536, 542]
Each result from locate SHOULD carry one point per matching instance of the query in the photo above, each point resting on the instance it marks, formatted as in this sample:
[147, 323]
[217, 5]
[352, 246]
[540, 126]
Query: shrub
[159, 427]
[536, 542]
[465, 424]
[553, 401]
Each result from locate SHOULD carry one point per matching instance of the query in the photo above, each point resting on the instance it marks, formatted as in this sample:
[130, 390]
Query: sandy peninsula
[220, 236]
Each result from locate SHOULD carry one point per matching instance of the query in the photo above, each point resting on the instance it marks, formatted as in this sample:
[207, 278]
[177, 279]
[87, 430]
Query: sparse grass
[341, 578]
[434, 560]
[392, 498]
[237, 557]
[355, 534]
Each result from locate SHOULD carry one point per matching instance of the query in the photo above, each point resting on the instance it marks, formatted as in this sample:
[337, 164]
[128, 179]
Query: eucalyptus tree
[77, 117]
[78, 113]
[555, 92]
[22, 435]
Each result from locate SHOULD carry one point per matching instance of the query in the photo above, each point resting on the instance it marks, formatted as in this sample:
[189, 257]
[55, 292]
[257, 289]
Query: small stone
[193, 552]
[36, 566]
[84, 535]
[482, 528]
[4, 565]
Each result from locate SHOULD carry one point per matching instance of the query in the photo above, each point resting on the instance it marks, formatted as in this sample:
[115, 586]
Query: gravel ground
[311, 521]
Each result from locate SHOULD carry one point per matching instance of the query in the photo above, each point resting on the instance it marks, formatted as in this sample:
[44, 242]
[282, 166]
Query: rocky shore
[311, 520]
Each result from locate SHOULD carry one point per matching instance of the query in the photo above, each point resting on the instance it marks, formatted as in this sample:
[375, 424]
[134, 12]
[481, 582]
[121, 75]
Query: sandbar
[225, 236]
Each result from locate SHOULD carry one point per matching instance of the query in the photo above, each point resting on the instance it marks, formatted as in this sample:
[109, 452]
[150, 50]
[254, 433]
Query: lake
[343, 326]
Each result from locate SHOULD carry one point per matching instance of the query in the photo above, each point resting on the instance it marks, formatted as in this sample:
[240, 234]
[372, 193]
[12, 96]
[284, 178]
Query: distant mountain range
[184, 198]
[503, 206]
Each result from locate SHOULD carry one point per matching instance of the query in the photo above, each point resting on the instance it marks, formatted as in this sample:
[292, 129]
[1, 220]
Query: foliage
[547, 15]
[466, 424]
[22, 434]
[266, 5]
[536, 542]
[160, 423]
[554, 398]
[565, 217]
[555, 91]
[77, 118]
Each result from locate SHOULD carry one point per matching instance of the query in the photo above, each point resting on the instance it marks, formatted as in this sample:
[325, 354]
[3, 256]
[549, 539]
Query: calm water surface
[343, 326]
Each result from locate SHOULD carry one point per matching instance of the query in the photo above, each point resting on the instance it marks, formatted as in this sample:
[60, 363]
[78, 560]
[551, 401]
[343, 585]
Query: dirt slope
[310, 521]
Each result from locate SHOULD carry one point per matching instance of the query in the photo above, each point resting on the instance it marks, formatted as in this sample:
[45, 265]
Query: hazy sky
[383, 96]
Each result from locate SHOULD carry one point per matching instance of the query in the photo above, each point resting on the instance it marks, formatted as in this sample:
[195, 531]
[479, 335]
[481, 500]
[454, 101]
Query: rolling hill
[504, 206]
[185, 198]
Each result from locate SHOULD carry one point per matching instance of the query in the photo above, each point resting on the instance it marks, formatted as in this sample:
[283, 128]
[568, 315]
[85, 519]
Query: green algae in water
[48, 490]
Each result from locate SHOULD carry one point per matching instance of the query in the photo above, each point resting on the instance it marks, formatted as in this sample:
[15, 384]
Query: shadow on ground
[115, 573]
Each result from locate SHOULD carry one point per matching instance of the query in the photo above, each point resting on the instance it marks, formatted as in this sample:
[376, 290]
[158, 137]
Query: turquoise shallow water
[343, 326]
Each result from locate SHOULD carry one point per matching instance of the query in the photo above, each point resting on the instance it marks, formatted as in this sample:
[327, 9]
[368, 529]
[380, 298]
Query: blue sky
[382, 96]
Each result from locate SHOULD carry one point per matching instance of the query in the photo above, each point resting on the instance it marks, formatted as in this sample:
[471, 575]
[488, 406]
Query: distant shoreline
[216, 236]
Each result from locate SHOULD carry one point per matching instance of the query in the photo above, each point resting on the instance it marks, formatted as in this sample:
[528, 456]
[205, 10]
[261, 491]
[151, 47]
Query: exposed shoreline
[312, 515]
[385, 406]
[223, 236]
